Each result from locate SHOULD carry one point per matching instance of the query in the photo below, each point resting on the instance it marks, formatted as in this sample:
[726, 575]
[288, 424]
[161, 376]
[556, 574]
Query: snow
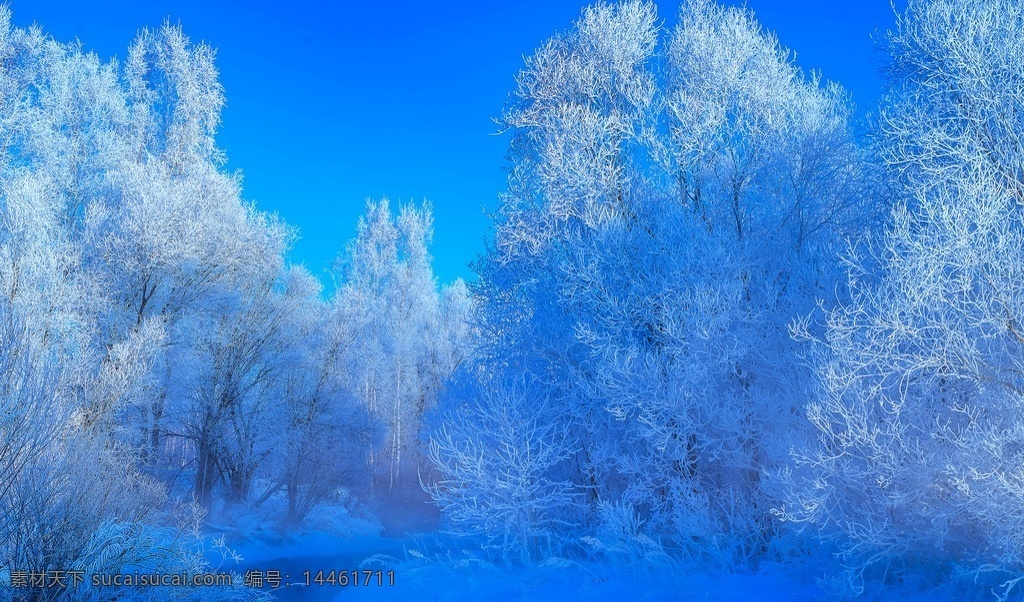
[422, 579]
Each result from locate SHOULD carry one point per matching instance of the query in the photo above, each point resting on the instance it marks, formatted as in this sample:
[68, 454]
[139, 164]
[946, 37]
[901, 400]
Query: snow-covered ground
[423, 573]
[430, 566]
[422, 579]
[419, 576]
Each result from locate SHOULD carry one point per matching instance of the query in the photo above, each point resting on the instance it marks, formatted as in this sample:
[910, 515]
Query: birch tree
[407, 335]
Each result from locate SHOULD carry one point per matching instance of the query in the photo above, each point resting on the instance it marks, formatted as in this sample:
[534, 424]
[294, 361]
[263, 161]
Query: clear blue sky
[331, 103]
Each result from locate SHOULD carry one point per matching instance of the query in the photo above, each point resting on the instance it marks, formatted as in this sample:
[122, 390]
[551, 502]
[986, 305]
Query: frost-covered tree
[154, 344]
[233, 398]
[407, 338]
[107, 239]
[919, 409]
[494, 459]
[174, 238]
[58, 105]
[320, 431]
[668, 212]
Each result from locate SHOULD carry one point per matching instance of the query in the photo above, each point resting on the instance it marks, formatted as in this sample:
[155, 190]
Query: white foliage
[405, 338]
[669, 211]
[918, 413]
[495, 454]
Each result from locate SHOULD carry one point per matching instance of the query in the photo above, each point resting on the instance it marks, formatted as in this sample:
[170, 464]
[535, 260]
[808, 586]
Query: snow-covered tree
[107, 239]
[233, 400]
[407, 337]
[58, 109]
[919, 408]
[668, 212]
[494, 460]
[320, 431]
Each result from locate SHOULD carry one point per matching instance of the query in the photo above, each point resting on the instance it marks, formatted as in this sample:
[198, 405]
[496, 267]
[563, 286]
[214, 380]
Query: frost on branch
[675, 199]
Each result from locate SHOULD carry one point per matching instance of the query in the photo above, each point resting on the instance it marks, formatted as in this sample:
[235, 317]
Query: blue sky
[331, 103]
